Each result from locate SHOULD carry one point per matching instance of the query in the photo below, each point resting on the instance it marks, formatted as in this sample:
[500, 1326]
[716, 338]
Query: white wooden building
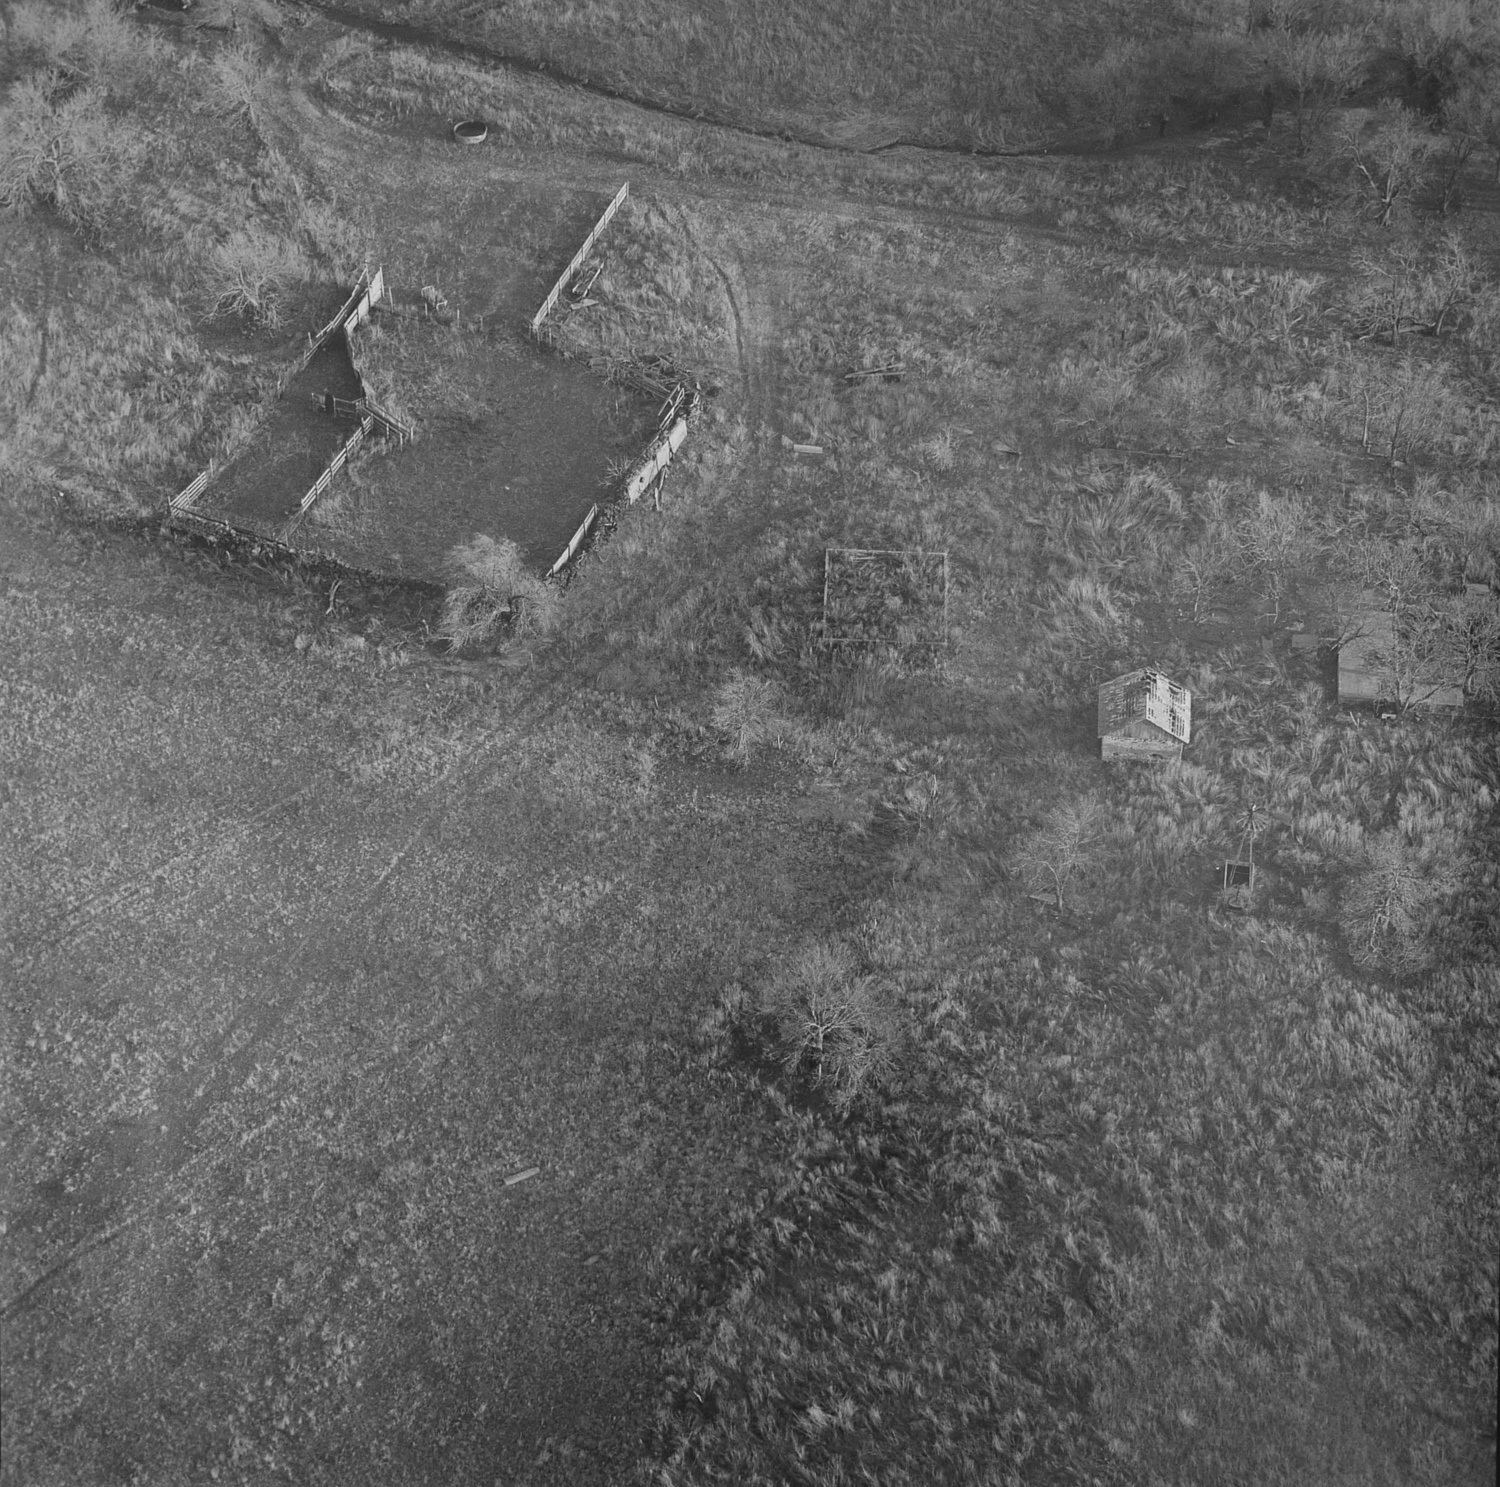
[1144, 715]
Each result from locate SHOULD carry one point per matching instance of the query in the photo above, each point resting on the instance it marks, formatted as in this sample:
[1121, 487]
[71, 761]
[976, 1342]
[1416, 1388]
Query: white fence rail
[550, 303]
[575, 542]
[368, 290]
[324, 480]
[390, 425]
[656, 459]
[184, 499]
[362, 408]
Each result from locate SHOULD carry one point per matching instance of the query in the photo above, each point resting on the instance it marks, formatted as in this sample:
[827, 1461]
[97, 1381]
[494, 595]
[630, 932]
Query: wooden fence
[576, 262]
[656, 459]
[184, 499]
[389, 424]
[362, 408]
[368, 289]
[575, 542]
[324, 480]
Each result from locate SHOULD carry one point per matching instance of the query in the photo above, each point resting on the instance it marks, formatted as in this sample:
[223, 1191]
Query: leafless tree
[839, 1024]
[1389, 158]
[1389, 903]
[1056, 854]
[1319, 70]
[493, 583]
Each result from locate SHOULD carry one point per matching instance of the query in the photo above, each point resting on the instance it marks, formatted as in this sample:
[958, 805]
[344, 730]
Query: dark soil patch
[260, 490]
[524, 457]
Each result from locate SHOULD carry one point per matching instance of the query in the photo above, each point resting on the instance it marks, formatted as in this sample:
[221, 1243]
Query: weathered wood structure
[1373, 668]
[1144, 715]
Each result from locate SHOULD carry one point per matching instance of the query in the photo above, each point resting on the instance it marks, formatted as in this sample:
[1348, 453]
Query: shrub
[1115, 91]
[493, 583]
[834, 1023]
[251, 274]
[240, 84]
[60, 150]
[1389, 905]
[91, 43]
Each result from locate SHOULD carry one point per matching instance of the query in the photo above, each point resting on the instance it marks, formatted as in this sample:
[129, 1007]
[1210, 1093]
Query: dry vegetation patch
[908, 1102]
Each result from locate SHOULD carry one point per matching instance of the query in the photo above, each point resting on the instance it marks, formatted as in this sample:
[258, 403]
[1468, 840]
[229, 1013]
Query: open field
[906, 1103]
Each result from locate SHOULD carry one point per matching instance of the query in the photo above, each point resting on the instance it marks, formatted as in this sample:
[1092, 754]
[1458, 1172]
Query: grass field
[906, 1103]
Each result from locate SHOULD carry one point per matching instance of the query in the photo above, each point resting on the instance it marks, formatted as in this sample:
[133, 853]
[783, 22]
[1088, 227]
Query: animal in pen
[1144, 715]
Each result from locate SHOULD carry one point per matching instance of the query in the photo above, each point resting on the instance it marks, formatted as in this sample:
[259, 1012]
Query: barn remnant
[1376, 667]
[1144, 715]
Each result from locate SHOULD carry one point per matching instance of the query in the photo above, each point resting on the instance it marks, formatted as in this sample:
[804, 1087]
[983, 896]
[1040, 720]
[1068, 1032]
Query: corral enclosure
[523, 455]
[512, 442]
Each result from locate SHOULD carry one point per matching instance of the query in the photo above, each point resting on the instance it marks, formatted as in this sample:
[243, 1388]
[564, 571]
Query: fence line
[656, 459]
[185, 498]
[362, 408]
[575, 541]
[324, 480]
[576, 262]
[368, 289]
[390, 425]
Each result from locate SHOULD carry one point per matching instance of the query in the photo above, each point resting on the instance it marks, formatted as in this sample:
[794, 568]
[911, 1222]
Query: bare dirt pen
[259, 490]
[857, 1156]
[513, 442]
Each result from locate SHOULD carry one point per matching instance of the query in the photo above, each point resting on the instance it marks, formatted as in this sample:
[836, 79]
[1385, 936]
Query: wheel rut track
[435, 40]
[319, 115]
[185, 1100]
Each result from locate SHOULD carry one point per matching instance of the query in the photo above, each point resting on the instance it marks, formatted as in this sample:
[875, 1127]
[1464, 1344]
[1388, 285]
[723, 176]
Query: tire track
[188, 1098]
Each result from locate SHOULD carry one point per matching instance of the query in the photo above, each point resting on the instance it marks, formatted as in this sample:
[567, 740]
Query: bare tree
[1389, 159]
[1386, 292]
[1318, 69]
[1277, 541]
[1406, 289]
[835, 1022]
[1402, 406]
[251, 274]
[1389, 904]
[1471, 114]
[1469, 643]
[1056, 854]
[492, 583]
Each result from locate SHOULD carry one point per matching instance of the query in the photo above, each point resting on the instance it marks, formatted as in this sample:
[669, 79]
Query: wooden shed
[1367, 672]
[1144, 715]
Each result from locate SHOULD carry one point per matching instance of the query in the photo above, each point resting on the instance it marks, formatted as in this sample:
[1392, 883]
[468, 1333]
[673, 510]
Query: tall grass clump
[747, 709]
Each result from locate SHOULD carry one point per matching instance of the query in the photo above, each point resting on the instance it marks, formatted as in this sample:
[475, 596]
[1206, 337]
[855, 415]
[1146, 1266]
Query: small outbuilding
[1144, 715]
[1373, 668]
